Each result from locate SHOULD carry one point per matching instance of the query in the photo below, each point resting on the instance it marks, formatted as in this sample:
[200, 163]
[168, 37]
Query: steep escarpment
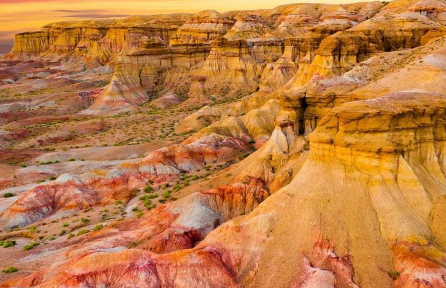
[387, 72]
[341, 51]
[149, 70]
[96, 41]
[239, 48]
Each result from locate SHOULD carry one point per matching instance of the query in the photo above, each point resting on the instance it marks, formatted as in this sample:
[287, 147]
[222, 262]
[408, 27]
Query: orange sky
[27, 15]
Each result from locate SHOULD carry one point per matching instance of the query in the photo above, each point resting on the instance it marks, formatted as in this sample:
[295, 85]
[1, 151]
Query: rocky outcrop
[202, 28]
[151, 70]
[235, 67]
[381, 74]
[248, 26]
[340, 52]
[366, 162]
[243, 50]
[30, 43]
[95, 41]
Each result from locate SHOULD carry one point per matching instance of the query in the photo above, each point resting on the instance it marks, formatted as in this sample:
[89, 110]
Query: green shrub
[11, 269]
[7, 244]
[148, 189]
[8, 195]
[85, 220]
[30, 246]
[82, 231]
[98, 227]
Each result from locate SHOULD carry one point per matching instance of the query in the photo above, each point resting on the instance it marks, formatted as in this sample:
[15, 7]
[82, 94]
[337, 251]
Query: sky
[29, 15]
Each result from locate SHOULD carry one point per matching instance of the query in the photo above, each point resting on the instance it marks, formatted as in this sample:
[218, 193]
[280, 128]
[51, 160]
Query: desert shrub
[85, 221]
[98, 227]
[30, 246]
[82, 231]
[7, 244]
[394, 274]
[11, 269]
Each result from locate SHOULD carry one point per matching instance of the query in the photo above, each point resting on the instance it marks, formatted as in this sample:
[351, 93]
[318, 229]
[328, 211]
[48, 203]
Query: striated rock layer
[365, 159]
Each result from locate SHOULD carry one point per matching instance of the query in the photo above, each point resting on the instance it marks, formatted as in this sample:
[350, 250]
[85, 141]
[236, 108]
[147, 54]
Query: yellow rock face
[202, 28]
[341, 51]
[30, 43]
[99, 41]
[366, 187]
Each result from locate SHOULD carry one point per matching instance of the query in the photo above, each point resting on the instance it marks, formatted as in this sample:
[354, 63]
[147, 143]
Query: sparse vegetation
[82, 232]
[30, 246]
[98, 227]
[10, 269]
[7, 244]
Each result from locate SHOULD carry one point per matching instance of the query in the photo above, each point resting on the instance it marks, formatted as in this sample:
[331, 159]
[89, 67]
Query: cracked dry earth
[302, 146]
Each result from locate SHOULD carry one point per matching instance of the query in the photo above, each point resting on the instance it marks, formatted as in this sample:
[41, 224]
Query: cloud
[27, 1]
[77, 11]
[96, 16]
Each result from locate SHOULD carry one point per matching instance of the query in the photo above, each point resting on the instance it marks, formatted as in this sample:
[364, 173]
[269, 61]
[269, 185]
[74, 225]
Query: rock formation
[325, 126]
